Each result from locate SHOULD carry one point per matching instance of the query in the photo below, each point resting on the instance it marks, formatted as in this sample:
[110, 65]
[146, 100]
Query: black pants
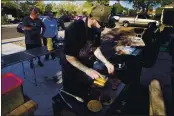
[45, 44]
[75, 81]
[32, 46]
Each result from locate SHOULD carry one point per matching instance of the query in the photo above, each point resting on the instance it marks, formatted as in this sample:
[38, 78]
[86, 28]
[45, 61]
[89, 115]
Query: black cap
[35, 9]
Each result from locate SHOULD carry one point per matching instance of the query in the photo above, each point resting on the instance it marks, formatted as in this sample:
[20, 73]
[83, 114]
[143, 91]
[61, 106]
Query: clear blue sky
[123, 3]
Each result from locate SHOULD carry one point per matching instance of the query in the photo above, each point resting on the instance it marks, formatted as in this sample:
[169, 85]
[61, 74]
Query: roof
[169, 6]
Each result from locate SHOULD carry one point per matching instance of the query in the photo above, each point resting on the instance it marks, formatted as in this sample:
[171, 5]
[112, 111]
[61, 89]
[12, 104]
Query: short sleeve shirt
[76, 37]
[32, 36]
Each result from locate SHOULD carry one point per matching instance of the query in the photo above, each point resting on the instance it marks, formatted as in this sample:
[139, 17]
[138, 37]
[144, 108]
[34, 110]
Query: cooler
[11, 93]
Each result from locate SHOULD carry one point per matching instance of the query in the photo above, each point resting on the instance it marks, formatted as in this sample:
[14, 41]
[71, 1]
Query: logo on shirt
[33, 24]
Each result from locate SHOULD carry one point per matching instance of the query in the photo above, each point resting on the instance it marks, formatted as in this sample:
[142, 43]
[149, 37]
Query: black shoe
[40, 64]
[31, 65]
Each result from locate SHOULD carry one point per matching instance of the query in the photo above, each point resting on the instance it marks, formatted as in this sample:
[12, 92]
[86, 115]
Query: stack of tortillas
[94, 105]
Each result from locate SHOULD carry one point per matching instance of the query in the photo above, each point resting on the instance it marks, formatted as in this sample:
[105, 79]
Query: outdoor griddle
[127, 99]
[26, 55]
[80, 109]
[132, 58]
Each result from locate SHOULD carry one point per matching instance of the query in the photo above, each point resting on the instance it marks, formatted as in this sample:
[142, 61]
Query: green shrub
[4, 20]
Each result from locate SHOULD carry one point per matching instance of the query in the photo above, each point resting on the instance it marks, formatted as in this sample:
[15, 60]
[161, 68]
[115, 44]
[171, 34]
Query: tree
[144, 5]
[132, 12]
[11, 7]
[10, 4]
[158, 11]
[25, 7]
[103, 2]
[113, 11]
[166, 2]
[48, 7]
[88, 5]
[118, 7]
[40, 5]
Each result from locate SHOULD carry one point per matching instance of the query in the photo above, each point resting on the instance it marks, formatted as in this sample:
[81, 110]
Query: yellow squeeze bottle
[49, 44]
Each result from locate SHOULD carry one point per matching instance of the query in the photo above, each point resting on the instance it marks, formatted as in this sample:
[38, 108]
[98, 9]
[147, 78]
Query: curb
[12, 40]
[12, 25]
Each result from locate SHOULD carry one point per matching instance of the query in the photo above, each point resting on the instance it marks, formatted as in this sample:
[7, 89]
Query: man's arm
[88, 71]
[76, 63]
[26, 25]
[100, 56]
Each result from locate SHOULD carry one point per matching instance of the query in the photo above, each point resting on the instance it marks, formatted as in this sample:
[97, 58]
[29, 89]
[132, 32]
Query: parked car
[66, 18]
[20, 28]
[140, 20]
[117, 17]
[15, 21]
[78, 17]
[60, 25]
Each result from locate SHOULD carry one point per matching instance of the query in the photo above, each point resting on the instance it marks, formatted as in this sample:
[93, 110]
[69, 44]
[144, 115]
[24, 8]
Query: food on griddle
[102, 79]
[94, 105]
[100, 84]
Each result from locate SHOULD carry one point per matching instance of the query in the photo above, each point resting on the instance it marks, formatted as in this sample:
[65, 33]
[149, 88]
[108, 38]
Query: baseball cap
[101, 13]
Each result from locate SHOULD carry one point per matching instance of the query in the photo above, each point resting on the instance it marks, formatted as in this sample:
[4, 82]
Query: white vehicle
[140, 20]
[116, 17]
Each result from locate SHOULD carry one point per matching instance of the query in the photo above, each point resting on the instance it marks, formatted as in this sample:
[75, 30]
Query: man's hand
[93, 74]
[28, 28]
[110, 67]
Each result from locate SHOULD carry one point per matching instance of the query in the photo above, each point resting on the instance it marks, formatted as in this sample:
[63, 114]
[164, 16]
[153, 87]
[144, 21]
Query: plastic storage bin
[11, 93]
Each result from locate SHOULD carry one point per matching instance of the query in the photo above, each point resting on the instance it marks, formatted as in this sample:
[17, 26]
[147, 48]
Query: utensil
[76, 97]
[65, 100]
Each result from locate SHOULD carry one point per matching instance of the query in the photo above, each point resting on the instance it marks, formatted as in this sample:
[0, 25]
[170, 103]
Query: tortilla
[94, 105]
[99, 84]
[102, 79]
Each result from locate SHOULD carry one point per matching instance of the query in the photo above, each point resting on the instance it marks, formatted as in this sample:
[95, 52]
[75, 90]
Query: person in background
[51, 31]
[32, 32]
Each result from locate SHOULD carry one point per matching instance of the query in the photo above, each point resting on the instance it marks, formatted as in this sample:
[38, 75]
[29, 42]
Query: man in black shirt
[32, 31]
[82, 41]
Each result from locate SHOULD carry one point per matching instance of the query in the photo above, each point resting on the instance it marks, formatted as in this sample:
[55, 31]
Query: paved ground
[9, 32]
[43, 93]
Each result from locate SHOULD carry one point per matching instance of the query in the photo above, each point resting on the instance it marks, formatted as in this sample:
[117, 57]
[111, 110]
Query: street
[11, 32]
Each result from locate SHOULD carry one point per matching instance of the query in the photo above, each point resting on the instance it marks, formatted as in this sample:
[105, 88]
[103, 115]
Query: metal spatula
[76, 97]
